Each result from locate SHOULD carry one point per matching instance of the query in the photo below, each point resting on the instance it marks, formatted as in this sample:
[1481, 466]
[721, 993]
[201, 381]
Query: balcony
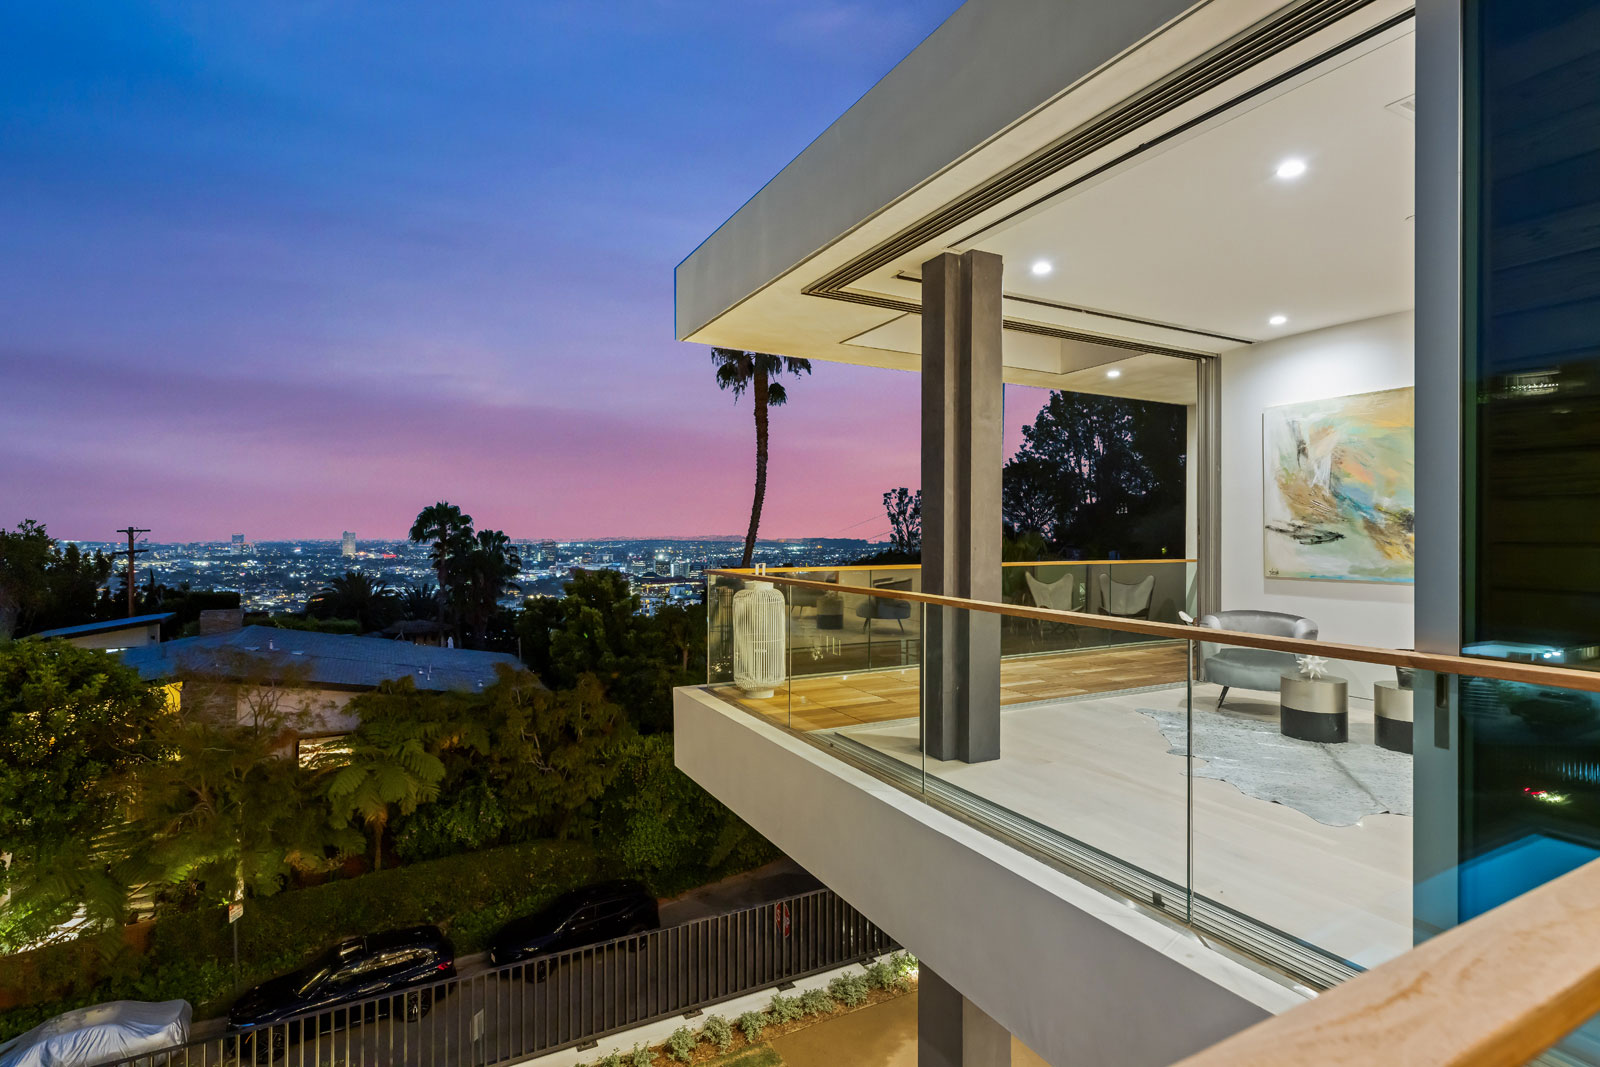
[1121, 762]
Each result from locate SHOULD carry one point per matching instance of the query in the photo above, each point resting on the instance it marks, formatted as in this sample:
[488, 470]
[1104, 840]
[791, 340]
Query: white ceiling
[1201, 234]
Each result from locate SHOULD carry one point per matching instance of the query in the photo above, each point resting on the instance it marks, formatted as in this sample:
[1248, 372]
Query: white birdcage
[759, 621]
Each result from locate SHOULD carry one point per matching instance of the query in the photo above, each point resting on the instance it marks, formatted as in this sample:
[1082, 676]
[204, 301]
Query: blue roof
[105, 627]
[326, 659]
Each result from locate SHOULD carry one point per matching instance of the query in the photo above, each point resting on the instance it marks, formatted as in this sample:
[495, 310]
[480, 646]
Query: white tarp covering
[100, 1034]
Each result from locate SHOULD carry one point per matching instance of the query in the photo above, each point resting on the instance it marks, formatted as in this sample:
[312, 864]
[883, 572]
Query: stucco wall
[1356, 357]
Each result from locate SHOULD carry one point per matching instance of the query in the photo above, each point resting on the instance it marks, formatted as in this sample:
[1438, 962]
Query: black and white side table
[1314, 709]
[1391, 716]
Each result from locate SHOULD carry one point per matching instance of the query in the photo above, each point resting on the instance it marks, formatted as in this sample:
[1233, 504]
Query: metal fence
[560, 1000]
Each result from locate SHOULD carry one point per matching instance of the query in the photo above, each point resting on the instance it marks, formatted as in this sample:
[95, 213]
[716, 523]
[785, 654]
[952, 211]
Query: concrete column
[954, 1032]
[962, 422]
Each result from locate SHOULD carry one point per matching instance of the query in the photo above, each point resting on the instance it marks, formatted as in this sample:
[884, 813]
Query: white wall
[1358, 357]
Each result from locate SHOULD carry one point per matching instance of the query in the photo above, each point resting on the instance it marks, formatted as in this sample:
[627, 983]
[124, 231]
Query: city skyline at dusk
[304, 269]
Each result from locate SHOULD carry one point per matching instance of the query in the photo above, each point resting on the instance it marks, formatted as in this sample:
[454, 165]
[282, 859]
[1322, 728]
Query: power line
[132, 532]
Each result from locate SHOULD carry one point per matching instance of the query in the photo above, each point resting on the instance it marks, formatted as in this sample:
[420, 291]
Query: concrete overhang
[1079, 975]
[1007, 111]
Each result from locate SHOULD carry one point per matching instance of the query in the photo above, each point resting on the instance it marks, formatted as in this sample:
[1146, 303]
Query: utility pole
[132, 532]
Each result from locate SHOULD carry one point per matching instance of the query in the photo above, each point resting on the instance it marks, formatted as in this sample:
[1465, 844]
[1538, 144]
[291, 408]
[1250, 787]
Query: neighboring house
[113, 635]
[314, 673]
[1356, 240]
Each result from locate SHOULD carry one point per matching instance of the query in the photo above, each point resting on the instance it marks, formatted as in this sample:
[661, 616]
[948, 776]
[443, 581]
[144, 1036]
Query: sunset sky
[291, 268]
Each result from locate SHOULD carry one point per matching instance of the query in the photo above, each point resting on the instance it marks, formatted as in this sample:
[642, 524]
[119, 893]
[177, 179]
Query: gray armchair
[801, 598]
[1259, 669]
[877, 607]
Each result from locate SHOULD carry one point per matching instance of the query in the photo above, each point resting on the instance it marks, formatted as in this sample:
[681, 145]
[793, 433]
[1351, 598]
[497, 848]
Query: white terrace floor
[1098, 770]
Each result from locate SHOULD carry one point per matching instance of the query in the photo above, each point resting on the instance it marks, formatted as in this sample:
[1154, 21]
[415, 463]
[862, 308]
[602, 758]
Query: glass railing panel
[1151, 590]
[1089, 735]
[1302, 798]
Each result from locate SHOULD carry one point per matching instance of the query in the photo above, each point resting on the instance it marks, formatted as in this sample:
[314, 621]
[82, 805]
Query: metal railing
[557, 1001]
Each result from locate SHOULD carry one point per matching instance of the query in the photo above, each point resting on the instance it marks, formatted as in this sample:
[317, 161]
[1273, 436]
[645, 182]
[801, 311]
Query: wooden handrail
[748, 571]
[1439, 663]
[1493, 992]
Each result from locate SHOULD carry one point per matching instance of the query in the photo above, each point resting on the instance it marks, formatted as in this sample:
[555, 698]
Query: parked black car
[584, 916]
[390, 966]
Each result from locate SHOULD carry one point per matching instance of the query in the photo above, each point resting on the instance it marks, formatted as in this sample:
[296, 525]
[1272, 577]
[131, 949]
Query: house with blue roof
[310, 674]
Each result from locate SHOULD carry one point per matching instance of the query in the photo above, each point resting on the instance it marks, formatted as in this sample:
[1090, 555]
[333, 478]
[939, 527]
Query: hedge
[190, 954]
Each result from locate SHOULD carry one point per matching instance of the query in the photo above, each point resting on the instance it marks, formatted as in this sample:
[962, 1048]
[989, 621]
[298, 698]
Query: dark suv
[389, 966]
[582, 917]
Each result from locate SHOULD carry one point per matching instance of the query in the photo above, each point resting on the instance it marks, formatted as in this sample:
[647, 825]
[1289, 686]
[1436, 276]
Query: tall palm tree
[450, 533]
[737, 371]
[490, 566]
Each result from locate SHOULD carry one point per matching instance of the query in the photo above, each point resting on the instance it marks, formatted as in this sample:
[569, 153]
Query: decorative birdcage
[760, 618]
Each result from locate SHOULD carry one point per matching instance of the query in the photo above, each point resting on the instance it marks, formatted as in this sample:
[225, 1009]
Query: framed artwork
[1339, 488]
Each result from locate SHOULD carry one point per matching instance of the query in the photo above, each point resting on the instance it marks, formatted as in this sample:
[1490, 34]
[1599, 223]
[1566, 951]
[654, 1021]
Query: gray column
[1436, 727]
[962, 421]
[954, 1032]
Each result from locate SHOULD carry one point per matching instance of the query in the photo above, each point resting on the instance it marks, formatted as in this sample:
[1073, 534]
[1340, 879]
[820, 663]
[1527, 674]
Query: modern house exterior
[1112, 806]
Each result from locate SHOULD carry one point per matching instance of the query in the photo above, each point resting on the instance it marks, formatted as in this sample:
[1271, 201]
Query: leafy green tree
[72, 723]
[359, 596]
[44, 585]
[664, 828]
[1100, 476]
[224, 805]
[736, 371]
[514, 761]
[905, 519]
[597, 629]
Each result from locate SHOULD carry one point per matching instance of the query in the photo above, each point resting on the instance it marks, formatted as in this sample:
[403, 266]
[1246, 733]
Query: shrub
[904, 964]
[816, 1002]
[785, 1009]
[613, 1060]
[680, 1046]
[718, 1032]
[752, 1023]
[642, 1057]
[880, 975]
[849, 989]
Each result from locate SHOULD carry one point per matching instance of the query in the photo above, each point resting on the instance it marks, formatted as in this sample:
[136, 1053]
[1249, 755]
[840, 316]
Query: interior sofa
[1257, 669]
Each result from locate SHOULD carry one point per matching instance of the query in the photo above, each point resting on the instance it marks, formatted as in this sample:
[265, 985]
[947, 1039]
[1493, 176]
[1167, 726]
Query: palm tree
[355, 595]
[451, 535]
[420, 602]
[737, 371]
[489, 568]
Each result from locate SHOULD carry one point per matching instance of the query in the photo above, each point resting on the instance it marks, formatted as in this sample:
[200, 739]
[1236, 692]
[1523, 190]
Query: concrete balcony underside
[1125, 985]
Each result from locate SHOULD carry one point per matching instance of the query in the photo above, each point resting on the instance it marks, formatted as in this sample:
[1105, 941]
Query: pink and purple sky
[293, 268]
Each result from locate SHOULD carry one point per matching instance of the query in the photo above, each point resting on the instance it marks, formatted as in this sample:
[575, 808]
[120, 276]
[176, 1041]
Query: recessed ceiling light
[1290, 169]
[1113, 373]
[1042, 267]
[1277, 320]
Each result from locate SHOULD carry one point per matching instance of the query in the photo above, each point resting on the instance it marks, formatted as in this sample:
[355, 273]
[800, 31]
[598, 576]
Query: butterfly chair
[1126, 600]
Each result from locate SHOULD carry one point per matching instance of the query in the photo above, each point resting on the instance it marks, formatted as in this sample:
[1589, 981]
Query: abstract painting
[1340, 488]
